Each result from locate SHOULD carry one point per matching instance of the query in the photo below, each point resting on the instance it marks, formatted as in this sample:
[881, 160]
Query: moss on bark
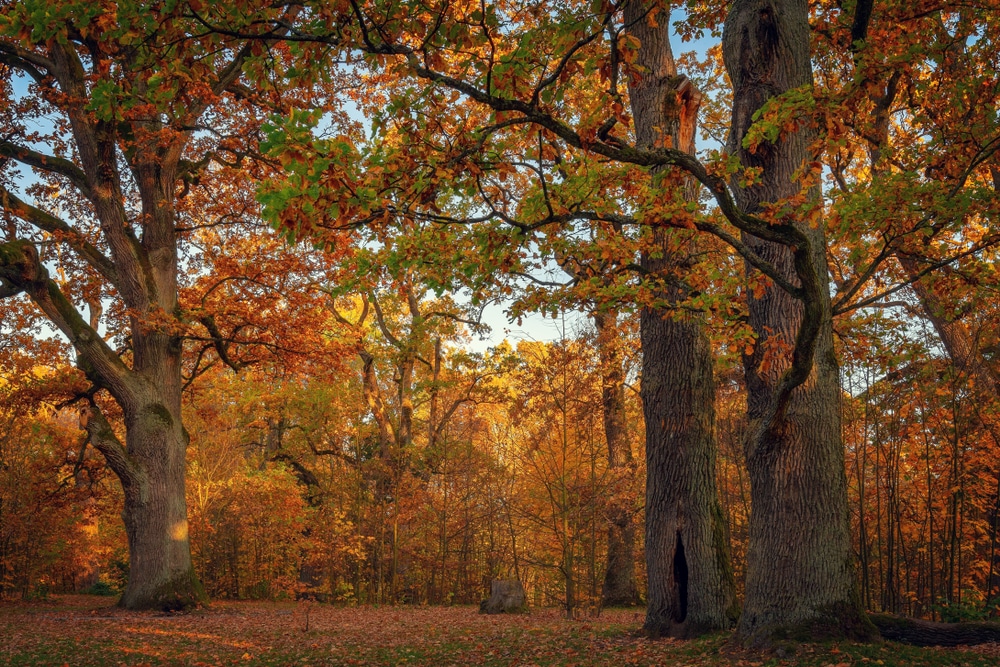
[182, 593]
[836, 621]
[158, 412]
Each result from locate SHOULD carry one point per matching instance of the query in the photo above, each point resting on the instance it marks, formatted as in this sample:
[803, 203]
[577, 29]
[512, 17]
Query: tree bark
[115, 161]
[506, 597]
[800, 568]
[161, 575]
[691, 588]
[928, 633]
[619, 588]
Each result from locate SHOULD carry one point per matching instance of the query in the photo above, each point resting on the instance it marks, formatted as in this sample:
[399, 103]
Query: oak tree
[118, 109]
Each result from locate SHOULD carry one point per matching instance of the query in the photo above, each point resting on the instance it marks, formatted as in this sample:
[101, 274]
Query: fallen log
[929, 633]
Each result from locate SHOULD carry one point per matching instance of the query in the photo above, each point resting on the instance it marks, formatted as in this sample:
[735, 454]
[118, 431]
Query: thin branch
[933, 266]
[568, 55]
[380, 318]
[221, 344]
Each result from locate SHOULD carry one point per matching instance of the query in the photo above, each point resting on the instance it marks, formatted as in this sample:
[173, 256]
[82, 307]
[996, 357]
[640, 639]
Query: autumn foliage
[277, 237]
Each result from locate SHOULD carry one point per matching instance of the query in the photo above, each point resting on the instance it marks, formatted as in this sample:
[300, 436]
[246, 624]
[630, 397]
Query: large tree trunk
[151, 469]
[115, 163]
[800, 569]
[619, 588]
[691, 586]
[160, 572]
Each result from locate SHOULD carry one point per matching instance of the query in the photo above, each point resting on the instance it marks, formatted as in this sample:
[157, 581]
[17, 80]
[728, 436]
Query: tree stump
[506, 597]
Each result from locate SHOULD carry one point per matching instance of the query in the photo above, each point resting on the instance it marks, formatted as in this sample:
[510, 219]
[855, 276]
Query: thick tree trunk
[691, 586]
[155, 514]
[151, 465]
[151, 469]
[115, 165]
[619, 588]
[800, 569]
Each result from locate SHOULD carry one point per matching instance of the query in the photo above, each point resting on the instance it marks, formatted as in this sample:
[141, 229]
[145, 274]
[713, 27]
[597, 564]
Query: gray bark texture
[136, 161]
[800, 567]
[161, 575]
[506, 597]
[691, 588]
[619, 588]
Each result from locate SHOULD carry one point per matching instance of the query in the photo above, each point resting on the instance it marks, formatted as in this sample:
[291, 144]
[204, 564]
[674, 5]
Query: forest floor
[85, 630]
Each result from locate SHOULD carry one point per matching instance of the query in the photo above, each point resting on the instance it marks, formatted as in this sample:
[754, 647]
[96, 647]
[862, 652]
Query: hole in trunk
[681, 578]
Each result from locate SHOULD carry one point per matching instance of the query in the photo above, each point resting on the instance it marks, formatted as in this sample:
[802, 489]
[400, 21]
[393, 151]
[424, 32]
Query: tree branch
[103, 438]
[380, 318]
[8, 289]
[16, 53]
[20, 268]
[47, 222]
[840, 307]
[220, 344]
[49, 163]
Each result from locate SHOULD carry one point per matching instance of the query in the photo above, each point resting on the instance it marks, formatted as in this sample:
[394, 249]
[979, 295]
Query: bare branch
[380, 318]
[221, 344]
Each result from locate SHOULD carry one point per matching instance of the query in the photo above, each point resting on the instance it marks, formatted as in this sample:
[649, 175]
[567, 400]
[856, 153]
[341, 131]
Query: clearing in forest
[82, 630]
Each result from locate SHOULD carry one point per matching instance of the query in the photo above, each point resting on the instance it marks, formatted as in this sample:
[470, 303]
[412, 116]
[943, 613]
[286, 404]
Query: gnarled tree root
[928, 633]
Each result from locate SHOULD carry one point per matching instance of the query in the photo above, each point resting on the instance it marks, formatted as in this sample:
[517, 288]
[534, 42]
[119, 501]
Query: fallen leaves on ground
[84, 631]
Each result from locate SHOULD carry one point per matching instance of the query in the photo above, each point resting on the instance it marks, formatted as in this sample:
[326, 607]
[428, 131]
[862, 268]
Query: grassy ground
[81, 630]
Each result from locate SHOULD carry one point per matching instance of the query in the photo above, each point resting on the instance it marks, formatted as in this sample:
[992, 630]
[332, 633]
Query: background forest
[249, 248]
[506, 475]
